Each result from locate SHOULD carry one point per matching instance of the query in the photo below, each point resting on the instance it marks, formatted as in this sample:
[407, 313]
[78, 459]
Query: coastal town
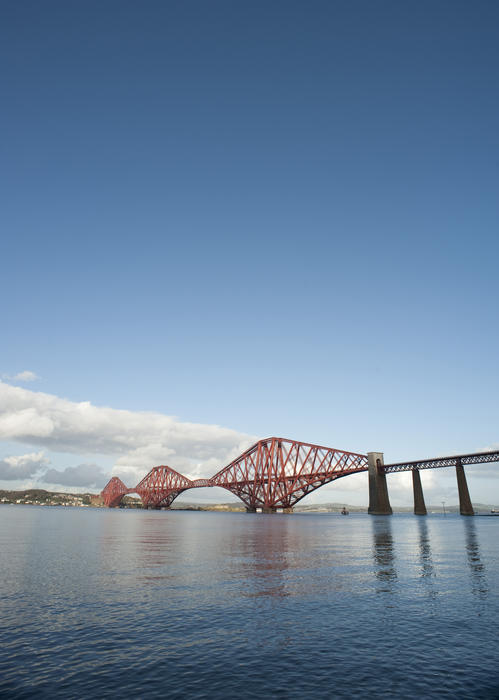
[40, 497]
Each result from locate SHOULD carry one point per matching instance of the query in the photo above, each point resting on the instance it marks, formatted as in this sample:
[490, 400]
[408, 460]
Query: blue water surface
[128, 603]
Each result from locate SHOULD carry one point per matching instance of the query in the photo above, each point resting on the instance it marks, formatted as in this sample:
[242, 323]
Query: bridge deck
[436, 462]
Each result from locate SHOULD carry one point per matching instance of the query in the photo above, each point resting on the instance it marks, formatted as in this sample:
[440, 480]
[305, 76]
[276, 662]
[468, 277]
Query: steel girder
[277, 473]
[273, 473]
[162, 486]
[113, 492]
[477, 458]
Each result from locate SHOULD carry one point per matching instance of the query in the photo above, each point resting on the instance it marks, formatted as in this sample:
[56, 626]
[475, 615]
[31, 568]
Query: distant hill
[57, 498]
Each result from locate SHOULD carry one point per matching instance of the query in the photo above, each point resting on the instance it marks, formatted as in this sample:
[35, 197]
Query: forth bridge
[275, 473]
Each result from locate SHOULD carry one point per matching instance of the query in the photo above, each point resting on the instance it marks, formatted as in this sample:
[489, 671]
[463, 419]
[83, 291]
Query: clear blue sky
[277, 217]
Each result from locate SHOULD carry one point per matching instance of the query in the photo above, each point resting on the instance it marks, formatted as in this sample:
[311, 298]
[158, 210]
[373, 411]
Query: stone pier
[419, 504]
[465, 507]
[379, 503]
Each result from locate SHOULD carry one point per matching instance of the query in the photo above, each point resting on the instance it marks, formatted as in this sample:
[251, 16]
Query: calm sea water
[120, 603]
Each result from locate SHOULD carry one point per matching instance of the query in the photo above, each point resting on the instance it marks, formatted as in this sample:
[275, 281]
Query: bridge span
[276, 473]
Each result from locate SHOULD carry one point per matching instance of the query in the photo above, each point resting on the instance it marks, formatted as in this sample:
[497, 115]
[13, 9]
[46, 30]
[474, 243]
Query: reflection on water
[383, 553]
[479, 584]
[266, 550]
[233, 605]
[427, 569]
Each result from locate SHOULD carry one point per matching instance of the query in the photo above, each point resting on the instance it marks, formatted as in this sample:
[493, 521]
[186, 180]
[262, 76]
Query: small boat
[344, 511]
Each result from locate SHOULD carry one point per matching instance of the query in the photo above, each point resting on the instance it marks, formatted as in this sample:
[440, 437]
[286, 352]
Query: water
[120, 603]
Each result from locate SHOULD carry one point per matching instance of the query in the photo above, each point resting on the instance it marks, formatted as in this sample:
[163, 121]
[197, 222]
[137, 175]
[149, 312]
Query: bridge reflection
[425, 555]
[385, 550]
[383, 554]
[479, 583]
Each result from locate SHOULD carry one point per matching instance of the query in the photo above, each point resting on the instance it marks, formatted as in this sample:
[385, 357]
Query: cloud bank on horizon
[136, 440]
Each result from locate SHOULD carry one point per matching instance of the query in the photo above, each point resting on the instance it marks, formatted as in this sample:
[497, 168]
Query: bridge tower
[379, 503]
[419, 504]
[465, 507]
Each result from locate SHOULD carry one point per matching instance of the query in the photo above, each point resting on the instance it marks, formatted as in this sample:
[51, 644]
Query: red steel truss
[162, 486]
[273, 473]
[114, 491]
[277, 473]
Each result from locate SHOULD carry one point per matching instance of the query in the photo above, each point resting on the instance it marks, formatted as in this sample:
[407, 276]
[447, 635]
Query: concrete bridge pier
[250, 509]
[465, 507]
[379, 503]
[419, 504]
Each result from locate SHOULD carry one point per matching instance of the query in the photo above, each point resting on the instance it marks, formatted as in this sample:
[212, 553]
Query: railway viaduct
[275, 473]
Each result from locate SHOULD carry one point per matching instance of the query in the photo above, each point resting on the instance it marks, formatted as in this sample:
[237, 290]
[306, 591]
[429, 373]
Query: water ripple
[119, 603]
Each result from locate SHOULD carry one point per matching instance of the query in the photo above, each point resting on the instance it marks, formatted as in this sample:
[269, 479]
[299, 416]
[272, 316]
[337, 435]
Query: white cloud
[26, 376]
[89, 475]
[22, 466]
[138, 440]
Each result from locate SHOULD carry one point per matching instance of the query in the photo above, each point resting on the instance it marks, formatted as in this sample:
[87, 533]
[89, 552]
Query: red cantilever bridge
[277, 473]
[273, 473]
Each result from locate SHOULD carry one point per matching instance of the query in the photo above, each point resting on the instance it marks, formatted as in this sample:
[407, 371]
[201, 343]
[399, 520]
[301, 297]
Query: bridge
[275, 473]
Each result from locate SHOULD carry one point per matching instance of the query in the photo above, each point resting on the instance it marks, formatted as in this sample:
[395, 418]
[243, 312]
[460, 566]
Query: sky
[223, 221]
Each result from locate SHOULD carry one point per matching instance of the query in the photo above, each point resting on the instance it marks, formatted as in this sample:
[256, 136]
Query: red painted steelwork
[114, 491]
[274, 473]
[162, 486]
[277, 473]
